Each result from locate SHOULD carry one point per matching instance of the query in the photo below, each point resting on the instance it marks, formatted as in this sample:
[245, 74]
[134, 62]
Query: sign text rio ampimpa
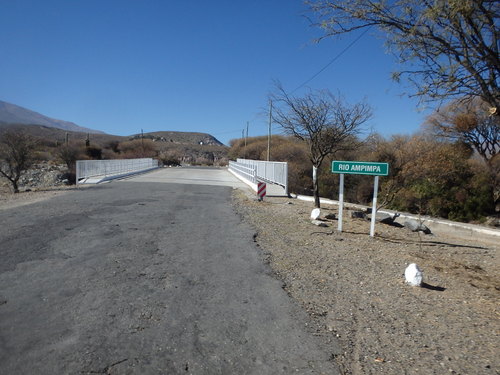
[360, 167]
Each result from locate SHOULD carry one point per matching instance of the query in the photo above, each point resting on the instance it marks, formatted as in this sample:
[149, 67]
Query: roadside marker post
[341, 202]
[374, 207]
[359, 167]
[261, 190]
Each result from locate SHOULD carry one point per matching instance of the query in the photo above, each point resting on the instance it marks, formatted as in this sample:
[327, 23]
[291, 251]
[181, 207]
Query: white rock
[414, 275]
[319, 223]
[315, 213]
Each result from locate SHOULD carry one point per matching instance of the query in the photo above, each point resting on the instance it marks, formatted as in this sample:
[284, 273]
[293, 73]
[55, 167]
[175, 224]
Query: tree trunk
[15, 186]
[316, 187]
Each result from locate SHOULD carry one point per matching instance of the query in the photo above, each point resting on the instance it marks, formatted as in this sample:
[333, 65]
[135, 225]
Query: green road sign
[360, 167]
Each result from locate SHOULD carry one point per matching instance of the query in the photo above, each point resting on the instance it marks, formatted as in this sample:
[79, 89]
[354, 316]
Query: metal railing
[273, 172]
[243, 171]
[107, 169]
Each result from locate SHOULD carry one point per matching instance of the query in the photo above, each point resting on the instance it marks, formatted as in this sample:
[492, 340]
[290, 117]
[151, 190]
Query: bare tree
[322, 120]
[473, 124]
[69, 153]
[449, 49]
[16, 155]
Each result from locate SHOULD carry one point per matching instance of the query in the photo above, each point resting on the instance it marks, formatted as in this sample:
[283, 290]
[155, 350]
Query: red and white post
[261, 190]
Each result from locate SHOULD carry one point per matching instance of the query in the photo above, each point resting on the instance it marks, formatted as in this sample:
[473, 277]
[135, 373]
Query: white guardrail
[95, 171]
[274, 172]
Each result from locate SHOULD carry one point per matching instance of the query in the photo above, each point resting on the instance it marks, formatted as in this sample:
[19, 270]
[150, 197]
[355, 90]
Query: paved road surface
[192, 176]
[136, 277]
[205, 176]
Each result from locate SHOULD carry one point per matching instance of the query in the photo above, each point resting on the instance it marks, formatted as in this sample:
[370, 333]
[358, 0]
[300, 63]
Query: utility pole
[246, 137]
[269, 132]
[242, 138]
[142, 141]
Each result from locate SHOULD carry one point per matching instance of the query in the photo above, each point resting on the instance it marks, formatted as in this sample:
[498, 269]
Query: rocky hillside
[42, 175]
[180, 138]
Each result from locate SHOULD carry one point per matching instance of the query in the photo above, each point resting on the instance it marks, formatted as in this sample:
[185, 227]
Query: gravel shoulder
[352, 286]
[9, 200]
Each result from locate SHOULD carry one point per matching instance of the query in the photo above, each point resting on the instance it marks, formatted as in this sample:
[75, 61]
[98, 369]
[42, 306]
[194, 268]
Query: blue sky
[202, 66]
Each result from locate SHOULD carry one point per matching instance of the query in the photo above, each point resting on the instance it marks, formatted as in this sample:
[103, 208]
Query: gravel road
[145, 278]
[352, 286]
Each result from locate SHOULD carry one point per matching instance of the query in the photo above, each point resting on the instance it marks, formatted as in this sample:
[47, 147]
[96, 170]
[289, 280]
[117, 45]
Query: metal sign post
[341, 201]
[374, 207]
[359, 167]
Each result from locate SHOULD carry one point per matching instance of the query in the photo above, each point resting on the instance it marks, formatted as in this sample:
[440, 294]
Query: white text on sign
[360, 168]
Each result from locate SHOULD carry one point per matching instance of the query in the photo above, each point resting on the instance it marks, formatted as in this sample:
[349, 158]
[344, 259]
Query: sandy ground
[353, 287]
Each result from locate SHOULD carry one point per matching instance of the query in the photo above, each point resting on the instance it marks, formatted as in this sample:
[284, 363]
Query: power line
[320, 71]
[334, 59]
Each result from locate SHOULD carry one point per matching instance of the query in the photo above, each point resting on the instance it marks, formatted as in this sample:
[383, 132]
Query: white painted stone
[414, 275]
[315, 213]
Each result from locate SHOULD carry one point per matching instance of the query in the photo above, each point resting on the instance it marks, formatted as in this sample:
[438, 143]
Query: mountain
[47, 135]
[14, 114]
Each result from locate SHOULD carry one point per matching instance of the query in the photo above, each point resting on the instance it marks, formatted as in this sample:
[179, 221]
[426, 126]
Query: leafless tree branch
[322, 120]
[450, 48]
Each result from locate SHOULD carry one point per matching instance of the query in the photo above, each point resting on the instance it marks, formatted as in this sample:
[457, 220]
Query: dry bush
[108, 154]
[433, 177]
[289, 150]
[93, 152]
[170, 157]
[69, 154]
[426, 175]
[113, 145]
[16, 155]
[251, 148]
[138, 148]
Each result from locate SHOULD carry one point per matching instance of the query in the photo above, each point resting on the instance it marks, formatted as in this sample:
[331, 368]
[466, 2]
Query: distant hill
[190, 138]
[14, 114]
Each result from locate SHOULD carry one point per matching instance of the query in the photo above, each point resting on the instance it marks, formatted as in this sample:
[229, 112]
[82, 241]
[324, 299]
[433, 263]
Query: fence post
[286, 179]
[77, 171]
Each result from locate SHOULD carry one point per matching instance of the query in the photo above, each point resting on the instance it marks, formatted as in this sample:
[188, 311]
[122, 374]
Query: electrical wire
[327, 65]
[334, 59]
